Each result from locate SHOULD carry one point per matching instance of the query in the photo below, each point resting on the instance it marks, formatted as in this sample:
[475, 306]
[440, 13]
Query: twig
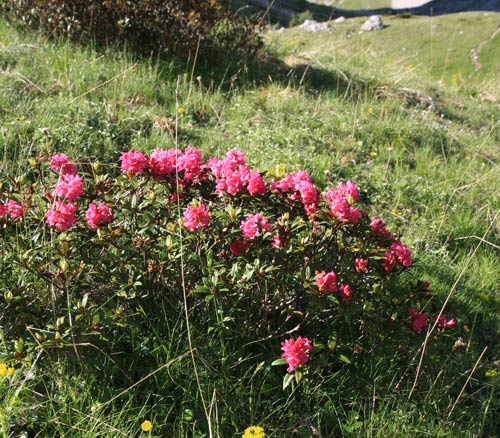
[467, 382]
[103, 83]
[479, 238]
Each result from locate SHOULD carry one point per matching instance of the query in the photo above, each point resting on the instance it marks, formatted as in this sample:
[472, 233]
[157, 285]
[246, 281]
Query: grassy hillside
[402, 112]
[420, 48]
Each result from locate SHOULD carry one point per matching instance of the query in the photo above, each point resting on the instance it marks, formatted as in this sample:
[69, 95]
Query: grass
[402, 112]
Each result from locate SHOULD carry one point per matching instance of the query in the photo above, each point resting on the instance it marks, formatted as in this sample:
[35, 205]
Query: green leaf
[332, 342]
[289, 378]
[280, 361]
[298, 376]
[201, 289]
[345, 359]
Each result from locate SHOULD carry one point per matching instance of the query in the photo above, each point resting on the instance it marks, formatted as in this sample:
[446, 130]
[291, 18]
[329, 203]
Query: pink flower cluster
[398, 253]
[161, 161]
[98, 214]
[67, 190]
[418, 320]
[165, 162]
[133, 162]
[69, 186]
[254, 225]
[61, 216]
[61, 163]
[232, 175]
[196, 217]
[280, 241]
[345, 292]
[327, 282]
[341, 199]
[378, 227]
[300, 187]
[12, 209]
[360, 264]
[295, 352]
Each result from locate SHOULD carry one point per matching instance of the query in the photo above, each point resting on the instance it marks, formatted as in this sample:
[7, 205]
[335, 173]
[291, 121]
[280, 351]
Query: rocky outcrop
[314, 26]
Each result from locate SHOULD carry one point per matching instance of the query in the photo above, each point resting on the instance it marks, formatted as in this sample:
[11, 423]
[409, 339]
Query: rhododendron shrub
[92, 246]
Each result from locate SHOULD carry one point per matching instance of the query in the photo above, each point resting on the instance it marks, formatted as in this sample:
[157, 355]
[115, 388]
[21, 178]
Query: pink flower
[295, 352]
[14, 209]
[235, 158]
[191, 163]
[254, 225]
[417, 319]
[95, 215]
[163, 162]
[256, 184]
[280, 242]
[340, 199]
[349, 189]
[360, 264]
[239, 247]
[232, 175]
[3, 210]
[133, 162]
[236, 180]
[390, 260]
[398, 253]
[308, 192]
[62, 216]
[402, 253]
[345, 292]
[69, 186]
[62, 163]
[196, 217]
[301, 186]
[327, 282]
[378, 227]
[443, 322]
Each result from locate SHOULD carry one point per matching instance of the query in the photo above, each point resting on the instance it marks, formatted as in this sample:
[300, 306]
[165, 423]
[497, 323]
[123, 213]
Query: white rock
[373, 23]
[314, 26]
[339, 19]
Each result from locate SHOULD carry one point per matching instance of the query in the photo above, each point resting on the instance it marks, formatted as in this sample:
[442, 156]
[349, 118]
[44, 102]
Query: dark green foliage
[147, 27]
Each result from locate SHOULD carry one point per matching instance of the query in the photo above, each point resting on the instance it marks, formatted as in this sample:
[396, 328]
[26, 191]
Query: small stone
[373, 23]
[339, 19]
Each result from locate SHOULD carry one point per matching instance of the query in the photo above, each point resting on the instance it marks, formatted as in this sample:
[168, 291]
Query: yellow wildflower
[146, 426]
[254, 432]
[484, 296]
[491, 373]
[3, 369]
[373, 153]
[181, 110]
[11, 371]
